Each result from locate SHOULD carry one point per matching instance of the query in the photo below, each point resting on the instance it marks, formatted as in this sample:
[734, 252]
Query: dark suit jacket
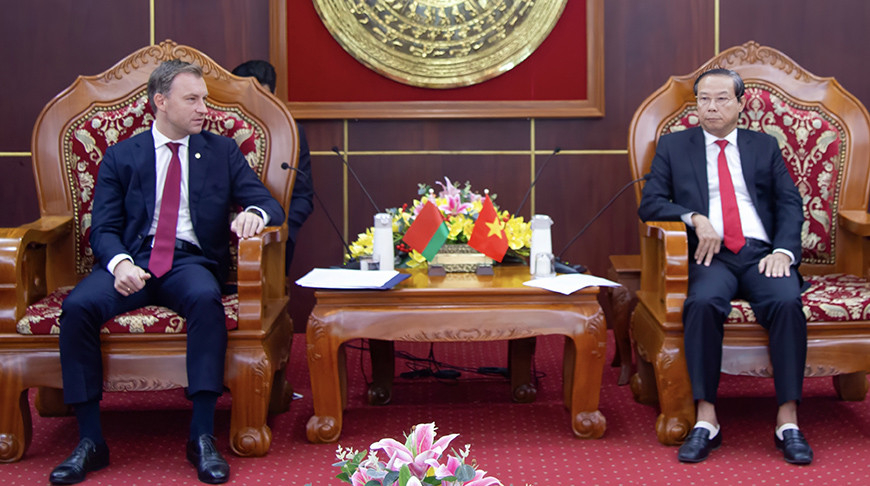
[677, 184]
[219, 179]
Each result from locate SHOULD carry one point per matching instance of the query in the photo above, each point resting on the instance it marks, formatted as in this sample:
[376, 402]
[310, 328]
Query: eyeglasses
[718, 101]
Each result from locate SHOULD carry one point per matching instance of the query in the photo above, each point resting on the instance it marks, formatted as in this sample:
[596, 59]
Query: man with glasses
[743, 212]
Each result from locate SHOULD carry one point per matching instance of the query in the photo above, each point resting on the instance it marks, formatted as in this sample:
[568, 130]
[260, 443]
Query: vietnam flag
[428, 232]
[488, 235]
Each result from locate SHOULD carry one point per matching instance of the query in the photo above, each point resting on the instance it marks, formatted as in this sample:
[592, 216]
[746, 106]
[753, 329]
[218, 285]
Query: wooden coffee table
[456, 308]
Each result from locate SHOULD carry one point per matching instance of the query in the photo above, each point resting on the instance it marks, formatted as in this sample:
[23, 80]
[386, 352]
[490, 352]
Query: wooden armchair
[144, 349]
[824, 134]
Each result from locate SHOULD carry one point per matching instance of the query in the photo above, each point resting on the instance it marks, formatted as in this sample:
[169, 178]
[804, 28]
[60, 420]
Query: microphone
[594, 218]
[286, 166]
[535, 180]
[353, 173]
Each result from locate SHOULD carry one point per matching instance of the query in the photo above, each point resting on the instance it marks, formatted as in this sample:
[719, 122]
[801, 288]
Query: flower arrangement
[417, 462]
[459, 206]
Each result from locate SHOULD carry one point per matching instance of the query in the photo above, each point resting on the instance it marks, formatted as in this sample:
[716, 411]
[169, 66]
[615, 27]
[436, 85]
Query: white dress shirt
[750, 222]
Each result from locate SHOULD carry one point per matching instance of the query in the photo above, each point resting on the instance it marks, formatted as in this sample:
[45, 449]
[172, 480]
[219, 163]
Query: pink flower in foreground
[423, 448]
[455, 206]
[447, 470]
[360, 477]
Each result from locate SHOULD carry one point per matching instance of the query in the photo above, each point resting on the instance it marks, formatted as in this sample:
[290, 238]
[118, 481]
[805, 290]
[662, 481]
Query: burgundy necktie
[733, 231]
[164, 238]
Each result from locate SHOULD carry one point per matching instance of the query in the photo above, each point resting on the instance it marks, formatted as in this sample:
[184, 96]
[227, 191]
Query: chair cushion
[42, 317]
[830, 298]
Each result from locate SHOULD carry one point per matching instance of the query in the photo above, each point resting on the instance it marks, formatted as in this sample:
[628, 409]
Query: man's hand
[775, 265]
[129, 278]
[709, 241]
[247, 224]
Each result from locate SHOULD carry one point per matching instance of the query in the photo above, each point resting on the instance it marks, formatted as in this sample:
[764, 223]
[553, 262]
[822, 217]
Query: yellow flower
[456, 225]
[364, 244]
[519, 233]
[416, 259]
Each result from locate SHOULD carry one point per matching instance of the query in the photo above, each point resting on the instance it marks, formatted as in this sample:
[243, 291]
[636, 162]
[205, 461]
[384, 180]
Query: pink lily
[360, 477]
[455, 205]
[422, 449]
[448, 189]
[444, 471]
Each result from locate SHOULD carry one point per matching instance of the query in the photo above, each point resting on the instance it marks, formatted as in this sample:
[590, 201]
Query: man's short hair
[262, 70]
[739, 88]
[161, 78]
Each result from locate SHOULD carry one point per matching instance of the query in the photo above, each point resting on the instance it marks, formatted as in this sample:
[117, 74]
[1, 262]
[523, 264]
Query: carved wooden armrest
[856, 221]
[262, 292]
[665, 269]
[22, 265]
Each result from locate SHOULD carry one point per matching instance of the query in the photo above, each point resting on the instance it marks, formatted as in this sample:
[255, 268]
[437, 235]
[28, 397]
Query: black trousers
[190, 288]
[777, 306]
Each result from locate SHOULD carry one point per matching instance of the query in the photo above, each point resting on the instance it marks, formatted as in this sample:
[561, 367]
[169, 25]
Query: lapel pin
[196, 155]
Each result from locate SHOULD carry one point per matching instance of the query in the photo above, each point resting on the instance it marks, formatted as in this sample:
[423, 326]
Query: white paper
[569, 283]
[340, 278]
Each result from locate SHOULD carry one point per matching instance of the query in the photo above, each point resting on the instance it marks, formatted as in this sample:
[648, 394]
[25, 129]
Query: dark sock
[204, 403]
[88, 415]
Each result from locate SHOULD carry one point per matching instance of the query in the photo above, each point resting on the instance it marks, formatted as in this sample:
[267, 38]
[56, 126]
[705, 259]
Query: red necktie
[733, 232]
[164, 238]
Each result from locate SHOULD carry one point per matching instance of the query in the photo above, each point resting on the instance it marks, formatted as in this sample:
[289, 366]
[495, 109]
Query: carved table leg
[250, 383]
[327, 389]
[520, 354]
[851, 386]
[585, 355]
[623, 303]
[382, 354]
[49, 402]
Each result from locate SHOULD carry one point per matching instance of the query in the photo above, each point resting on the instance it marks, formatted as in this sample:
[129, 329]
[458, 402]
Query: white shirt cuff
[263, 214]
[116, 260]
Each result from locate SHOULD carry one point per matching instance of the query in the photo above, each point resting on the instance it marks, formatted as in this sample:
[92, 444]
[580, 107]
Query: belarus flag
[488, 235]
[428, 232]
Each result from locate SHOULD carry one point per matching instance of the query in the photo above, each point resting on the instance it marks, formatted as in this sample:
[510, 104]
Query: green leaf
[431, 480]
[344, 477]
[391, 478]
[404, 475]
[373, 483]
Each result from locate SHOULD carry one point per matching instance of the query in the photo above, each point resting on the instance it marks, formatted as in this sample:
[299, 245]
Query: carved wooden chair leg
[851, 386]
[16, 426]
[643, 382]
[250, 380]
[49, 402]
[382, 354]
[282, 392]
[521, 352]
[675, 396]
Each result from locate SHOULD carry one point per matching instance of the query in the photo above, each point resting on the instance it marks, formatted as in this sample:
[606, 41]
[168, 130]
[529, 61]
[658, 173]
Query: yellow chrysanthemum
[364, 244]
[456, 226]
[519, 233]
[416, 259]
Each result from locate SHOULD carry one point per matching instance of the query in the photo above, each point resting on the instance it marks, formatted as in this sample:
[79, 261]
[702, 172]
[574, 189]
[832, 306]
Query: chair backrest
[822, 130]
[74, 130]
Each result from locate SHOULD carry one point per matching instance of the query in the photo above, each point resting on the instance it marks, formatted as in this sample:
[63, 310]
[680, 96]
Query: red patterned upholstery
[42, 317]
[812, 147]
[830, 298]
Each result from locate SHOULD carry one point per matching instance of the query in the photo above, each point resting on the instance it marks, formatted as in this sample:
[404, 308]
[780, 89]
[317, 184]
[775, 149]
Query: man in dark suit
[744, 215]
[301, 201]
[160, 228]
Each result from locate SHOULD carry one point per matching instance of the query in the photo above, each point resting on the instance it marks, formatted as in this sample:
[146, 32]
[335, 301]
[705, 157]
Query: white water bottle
[383, 242]
[541, 240]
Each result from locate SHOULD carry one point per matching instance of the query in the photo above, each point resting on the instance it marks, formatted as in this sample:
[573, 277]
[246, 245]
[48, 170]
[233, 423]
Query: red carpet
[518, 443]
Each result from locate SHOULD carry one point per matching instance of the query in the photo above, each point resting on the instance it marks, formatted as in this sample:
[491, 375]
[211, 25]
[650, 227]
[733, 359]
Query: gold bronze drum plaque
[440, 43]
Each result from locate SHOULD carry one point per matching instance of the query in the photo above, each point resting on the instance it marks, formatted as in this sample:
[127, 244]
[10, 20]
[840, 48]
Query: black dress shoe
[210, 466]
[86, 457]
[698, 445]
[794, 447]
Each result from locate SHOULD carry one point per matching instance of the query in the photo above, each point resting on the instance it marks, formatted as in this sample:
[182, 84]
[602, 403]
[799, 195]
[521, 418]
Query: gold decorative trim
[440, 43]
[753, 53]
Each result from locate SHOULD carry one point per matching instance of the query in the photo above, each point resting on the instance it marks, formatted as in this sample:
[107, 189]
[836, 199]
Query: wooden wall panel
[827, 38]
[229, 31]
